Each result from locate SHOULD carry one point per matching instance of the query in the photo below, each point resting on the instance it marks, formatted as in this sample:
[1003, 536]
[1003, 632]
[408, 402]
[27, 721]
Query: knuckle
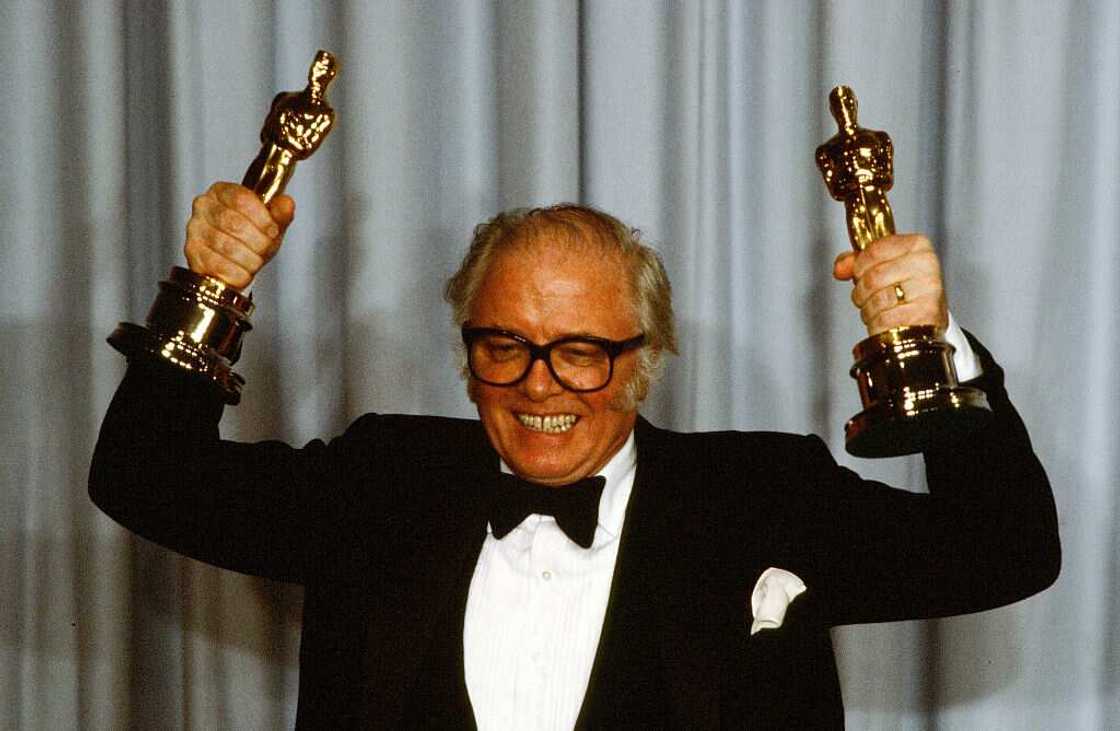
[866, 290]
[872, 279]
[229, 221]
[191, 247]
[888, 246]
[865, 259]
[219, 192]
[228, 272]
[922, 242]
[203, 261]
[251, 262]
[225, 194]
[209, 259]
[869, 296]
[240, 197]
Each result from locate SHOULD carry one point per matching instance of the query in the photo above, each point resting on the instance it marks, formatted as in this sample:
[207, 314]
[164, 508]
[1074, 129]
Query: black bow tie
[575, 506]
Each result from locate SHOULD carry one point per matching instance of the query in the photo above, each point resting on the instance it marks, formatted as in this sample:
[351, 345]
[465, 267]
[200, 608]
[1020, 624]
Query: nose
[539, 384]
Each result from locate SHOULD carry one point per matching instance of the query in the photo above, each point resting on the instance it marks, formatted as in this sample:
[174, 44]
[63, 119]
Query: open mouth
[552, 424]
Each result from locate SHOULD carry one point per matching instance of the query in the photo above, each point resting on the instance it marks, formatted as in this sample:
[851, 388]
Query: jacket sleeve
[986, 534]
[161, 470]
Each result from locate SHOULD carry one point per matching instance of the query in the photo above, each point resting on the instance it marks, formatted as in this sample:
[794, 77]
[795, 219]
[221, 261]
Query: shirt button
[546, 575]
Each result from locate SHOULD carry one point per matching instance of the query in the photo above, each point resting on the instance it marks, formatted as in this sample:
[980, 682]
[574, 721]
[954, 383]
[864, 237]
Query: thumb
[283, 210]
[844, 266]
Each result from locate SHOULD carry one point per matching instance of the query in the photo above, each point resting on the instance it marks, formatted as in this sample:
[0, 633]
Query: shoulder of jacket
[432, 440]
[741, 452]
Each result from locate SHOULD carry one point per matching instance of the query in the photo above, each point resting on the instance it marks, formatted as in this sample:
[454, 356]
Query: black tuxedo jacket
[383, 525]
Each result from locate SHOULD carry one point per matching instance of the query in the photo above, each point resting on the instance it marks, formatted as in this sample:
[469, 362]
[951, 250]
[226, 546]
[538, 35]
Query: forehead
[546, 288]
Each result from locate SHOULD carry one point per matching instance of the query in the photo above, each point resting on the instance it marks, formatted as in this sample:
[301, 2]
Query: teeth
[557, 424]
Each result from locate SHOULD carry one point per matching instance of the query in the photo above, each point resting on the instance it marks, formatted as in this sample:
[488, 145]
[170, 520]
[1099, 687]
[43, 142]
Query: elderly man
[561, 562]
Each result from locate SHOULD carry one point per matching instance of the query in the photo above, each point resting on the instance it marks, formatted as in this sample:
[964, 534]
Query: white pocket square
[771, 597]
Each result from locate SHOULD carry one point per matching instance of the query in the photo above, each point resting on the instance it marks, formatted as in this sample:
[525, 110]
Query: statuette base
[910, 394]
[195, 324]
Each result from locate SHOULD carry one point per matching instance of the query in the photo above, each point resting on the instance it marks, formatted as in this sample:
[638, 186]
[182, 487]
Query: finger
[246, 202]
[283, 210]
[915, 265]
[922, 312]
[207, 261]
[235, 251]
[213, 264]
[888, 248]
[919, 290]
[844, 266]
[203, 240]
[232, 222]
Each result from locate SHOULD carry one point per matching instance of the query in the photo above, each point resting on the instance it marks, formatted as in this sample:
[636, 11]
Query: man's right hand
[231, 234]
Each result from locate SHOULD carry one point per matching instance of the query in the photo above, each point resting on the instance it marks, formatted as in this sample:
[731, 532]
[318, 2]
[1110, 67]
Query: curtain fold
[693, 121]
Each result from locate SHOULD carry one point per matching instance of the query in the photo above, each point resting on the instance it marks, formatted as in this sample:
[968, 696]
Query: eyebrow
[562, 336]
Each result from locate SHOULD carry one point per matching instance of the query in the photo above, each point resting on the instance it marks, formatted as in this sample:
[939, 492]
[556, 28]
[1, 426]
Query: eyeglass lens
[577, 364]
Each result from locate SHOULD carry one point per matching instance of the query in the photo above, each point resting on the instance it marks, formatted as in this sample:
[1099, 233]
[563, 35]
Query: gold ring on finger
[899, 293]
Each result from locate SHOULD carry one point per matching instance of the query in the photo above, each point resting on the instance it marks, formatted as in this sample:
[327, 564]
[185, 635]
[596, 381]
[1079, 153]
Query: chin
[545, 470]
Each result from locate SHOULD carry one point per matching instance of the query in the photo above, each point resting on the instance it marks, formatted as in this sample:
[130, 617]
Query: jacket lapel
[420, 620]
[653, 663]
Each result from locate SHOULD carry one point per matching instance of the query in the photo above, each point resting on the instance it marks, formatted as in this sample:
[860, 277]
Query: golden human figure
[907, 378]
[858, 168]
[197, 320]
[295, 127]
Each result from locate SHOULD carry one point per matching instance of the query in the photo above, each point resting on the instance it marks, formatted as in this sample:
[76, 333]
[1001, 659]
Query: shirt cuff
[964, 358]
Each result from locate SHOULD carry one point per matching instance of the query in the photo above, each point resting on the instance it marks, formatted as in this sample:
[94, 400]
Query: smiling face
[544, 432]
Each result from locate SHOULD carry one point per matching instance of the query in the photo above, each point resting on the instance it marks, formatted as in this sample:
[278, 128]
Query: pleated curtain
[694, 121]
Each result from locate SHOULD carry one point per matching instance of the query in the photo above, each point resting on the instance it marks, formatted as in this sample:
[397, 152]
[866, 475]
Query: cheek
[603, 407]
[620, 396]
[488, 405]
[487, 397]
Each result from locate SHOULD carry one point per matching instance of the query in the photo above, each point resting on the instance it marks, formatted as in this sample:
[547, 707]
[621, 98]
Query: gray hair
[570, 224]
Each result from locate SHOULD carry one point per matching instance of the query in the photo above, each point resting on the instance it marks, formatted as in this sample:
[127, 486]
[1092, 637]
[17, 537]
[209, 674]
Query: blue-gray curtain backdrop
[695, 121]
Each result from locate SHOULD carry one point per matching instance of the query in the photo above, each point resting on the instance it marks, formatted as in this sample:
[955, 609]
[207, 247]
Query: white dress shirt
[537, 601]
[535, 612]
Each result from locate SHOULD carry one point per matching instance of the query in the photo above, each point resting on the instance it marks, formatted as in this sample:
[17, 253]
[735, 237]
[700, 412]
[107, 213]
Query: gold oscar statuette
[907, 379]
[197, 321]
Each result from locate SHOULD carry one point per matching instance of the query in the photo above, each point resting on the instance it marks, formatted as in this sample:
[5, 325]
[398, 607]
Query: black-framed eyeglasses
[579, 363]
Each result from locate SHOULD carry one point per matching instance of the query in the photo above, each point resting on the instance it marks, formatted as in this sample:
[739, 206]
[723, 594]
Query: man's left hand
[897, 282]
